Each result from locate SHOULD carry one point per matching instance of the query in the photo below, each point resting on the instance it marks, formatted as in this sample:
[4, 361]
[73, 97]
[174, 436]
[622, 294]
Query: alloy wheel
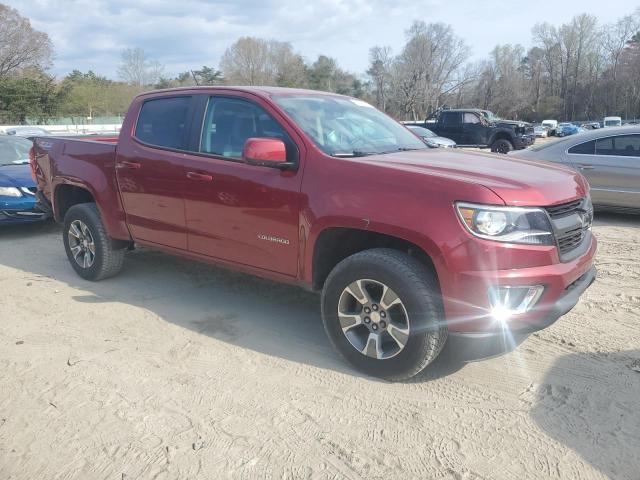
[373, 319]
[81, 244]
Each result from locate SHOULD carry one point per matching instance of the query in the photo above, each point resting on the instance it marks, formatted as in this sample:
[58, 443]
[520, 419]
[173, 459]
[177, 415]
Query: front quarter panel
[372, 196]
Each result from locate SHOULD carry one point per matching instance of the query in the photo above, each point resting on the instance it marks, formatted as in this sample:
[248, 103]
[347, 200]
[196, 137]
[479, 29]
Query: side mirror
[266, 152]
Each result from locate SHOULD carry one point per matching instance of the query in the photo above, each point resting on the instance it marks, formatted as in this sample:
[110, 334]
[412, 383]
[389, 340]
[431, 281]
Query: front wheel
[501, 145]
[382, 311]
[91, 252]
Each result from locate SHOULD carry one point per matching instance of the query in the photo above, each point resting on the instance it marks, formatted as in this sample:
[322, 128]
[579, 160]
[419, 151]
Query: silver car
[431, 139]
[608, 158]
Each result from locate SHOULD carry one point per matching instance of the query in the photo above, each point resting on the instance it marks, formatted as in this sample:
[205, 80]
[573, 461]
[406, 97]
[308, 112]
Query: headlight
[507, 224]
[10, 192]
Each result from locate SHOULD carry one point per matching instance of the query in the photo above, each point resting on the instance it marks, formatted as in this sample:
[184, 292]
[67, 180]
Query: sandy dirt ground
[180, 370]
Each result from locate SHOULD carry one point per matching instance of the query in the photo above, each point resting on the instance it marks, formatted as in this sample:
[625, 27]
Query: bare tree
[427, 69]
[255, 61]
[21, 47]
[137, 69]
[380, 72]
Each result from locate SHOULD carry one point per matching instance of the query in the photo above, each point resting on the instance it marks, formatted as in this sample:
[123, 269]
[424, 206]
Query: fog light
[506, 301]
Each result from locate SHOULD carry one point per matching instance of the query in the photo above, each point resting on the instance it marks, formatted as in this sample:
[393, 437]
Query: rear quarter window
[163, 122]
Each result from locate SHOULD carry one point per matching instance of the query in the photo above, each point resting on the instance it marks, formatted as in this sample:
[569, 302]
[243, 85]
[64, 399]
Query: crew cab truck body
[480, 128]
[408, 245]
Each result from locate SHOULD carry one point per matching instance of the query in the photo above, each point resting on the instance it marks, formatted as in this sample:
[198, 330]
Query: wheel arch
[502, 135]
[335, 243]
[66, 195]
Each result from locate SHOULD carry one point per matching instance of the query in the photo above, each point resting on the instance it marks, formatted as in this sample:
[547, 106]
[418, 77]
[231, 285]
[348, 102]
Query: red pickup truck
[408, 245]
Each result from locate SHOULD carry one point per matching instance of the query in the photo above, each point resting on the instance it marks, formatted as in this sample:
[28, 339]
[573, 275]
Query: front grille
[571, 222]
[570, 240]
[557, 211]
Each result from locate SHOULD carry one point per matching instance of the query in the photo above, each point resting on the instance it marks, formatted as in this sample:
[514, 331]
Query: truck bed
[85, 162]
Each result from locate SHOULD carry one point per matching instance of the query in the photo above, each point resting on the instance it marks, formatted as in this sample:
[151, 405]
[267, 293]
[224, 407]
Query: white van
[612, 122]
[551, 125]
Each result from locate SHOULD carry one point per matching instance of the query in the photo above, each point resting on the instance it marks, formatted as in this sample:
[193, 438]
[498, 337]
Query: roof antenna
[195, 79]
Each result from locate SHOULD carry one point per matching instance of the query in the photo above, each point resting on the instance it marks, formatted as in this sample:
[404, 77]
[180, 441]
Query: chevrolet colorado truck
[408, 245]
[480, 128]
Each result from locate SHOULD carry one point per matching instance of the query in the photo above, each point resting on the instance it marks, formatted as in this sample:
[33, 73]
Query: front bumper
[467, 302]
[21, 210]
[568, 299]
[523, 141]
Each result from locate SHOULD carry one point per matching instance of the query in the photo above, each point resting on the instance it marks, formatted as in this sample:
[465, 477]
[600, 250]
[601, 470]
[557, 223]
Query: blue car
[566, 129]
[17, 189]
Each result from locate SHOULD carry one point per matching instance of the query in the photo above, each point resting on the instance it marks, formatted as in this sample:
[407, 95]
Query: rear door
[238, 212]
[612, 166]
[151, 174]
[450, 124]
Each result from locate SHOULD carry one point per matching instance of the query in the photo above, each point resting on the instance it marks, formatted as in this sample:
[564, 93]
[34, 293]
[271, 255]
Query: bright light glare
[501, 314]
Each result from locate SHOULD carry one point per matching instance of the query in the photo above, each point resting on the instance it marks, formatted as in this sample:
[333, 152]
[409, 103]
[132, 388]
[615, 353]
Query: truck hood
[511, 123]
[517, 182]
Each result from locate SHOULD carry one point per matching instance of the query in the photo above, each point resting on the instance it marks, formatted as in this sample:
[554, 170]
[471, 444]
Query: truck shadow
[589, 402]
[251, 313]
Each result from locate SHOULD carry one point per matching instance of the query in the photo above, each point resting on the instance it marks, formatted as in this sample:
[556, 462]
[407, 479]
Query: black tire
[419, 292]
[109, 254]
[502, 145]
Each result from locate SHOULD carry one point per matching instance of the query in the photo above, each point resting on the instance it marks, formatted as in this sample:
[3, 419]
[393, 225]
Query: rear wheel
[382, 311]
[91, 252]
[502, 145]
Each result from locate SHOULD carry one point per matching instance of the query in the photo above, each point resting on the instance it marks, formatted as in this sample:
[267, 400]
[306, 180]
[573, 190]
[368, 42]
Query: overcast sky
[184, 34]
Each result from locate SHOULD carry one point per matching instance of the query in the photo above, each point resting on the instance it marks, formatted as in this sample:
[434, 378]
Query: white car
[540, 131]
[27, 131]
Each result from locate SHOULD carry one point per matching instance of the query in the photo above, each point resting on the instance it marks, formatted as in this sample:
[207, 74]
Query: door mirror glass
[268, 152]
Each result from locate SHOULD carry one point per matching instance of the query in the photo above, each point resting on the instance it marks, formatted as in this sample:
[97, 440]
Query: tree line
[575, 71]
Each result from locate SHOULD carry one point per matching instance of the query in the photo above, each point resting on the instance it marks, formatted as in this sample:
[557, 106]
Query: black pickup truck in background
[480, 128]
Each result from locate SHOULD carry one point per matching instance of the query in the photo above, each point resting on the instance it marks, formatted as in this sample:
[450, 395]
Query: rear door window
[586, 148]
[163, 122]
[451, 119]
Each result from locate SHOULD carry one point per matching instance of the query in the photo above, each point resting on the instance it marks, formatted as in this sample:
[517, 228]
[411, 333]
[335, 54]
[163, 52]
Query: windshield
[14, 150]
[612, 123]
[347, 127]
[423, 132]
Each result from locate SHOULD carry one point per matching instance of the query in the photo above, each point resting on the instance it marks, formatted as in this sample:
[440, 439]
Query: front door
[474, 130]
[237, 212]
[151, 175]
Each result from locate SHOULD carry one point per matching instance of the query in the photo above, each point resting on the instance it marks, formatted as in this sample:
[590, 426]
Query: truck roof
[265, 91]
[464, 110]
